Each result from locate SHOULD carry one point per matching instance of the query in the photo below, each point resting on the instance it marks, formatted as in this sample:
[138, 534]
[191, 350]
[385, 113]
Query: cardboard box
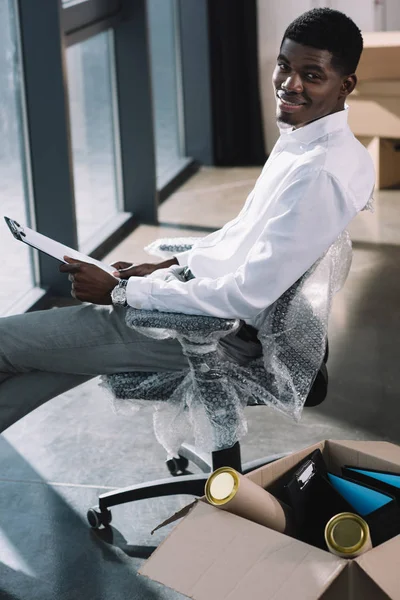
[386, 159]
[214, 555]
[374, 117]
[380, 58]
[375, 109]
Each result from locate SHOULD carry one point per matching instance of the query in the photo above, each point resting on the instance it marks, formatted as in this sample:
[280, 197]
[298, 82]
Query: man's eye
[312, 76]
[283, 67]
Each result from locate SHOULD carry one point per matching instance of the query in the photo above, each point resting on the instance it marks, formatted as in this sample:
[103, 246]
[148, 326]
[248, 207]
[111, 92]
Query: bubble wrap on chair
[207, 401]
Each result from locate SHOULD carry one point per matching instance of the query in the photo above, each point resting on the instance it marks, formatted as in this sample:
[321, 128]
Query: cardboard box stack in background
[214, 555]
[375, 104]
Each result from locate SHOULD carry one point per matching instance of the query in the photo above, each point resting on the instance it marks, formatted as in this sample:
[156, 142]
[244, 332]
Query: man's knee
[12, 341]
[3, 343]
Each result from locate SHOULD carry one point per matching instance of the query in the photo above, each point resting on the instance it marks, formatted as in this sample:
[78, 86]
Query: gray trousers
[46, 353]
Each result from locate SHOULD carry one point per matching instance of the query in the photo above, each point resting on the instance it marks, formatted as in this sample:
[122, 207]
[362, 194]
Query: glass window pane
[16, 275]
[91, 100]
[162, 15]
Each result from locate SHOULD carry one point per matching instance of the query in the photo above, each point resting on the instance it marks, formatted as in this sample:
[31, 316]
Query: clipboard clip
[15, 228]
[306, 474]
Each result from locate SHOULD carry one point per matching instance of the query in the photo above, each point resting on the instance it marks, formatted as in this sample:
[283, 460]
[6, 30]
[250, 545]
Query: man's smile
[289, 103]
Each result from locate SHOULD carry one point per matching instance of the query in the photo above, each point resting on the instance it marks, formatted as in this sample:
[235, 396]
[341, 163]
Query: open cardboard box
[214, 555]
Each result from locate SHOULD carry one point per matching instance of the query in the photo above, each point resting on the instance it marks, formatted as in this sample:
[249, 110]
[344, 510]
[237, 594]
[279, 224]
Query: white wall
[363, 12]
[392, 15]
[273, 18]
[275, 15]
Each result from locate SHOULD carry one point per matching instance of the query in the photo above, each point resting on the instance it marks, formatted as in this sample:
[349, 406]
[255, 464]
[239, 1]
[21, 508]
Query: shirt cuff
[138, 292]
[183, 257]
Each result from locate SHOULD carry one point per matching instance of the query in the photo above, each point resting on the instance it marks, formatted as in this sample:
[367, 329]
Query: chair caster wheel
[177, 465]
[97, 517]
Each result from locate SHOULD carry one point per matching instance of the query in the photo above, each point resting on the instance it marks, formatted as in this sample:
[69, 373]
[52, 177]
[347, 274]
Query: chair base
[192, 485]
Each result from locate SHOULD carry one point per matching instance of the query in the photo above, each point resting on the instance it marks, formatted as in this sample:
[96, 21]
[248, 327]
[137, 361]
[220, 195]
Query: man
[316, 180]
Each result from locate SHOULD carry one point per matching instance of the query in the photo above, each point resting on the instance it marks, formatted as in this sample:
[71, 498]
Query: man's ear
[348, 85]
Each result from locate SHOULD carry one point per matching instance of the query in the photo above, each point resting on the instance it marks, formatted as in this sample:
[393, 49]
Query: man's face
[306, 85]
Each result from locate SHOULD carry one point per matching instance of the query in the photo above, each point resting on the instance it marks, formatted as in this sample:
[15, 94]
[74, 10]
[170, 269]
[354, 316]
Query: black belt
[247, 333]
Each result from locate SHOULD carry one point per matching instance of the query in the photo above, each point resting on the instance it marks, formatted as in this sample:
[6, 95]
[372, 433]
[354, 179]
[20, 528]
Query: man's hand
[125, 270]
[89, 282]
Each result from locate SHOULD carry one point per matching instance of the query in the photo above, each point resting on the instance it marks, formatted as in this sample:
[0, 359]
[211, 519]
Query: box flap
[176, 516]
[381, 39]
[339, 588]
[354, 584]
[382, 564]
[213, 555]
[371, 455]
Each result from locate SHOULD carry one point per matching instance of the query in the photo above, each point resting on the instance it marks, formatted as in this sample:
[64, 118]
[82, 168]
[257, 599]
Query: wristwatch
[118, 294]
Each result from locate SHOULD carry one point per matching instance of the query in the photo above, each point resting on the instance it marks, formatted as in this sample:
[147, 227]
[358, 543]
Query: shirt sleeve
[310, 213]
[183, 257]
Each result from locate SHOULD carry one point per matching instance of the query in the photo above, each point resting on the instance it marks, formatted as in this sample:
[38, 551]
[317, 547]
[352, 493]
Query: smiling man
[315, 69]
[317, 178]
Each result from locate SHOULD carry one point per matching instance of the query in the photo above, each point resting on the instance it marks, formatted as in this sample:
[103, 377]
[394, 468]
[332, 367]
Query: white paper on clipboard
[49, 246]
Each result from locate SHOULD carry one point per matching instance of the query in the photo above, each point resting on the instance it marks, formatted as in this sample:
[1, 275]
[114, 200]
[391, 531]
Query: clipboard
[51, 247]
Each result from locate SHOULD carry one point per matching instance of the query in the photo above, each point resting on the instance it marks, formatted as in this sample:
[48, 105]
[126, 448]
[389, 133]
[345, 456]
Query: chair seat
[143, 385]
[158, 386]
[182, 324]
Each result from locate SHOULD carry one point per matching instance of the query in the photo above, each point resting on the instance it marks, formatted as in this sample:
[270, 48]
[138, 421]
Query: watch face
[119, 295]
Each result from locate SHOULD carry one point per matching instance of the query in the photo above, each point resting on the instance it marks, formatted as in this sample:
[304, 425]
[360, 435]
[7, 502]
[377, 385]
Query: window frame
[87, 18]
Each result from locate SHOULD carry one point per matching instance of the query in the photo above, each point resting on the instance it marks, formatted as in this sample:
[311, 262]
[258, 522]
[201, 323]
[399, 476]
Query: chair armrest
[168, 247]
[175, 248]
[181, 323]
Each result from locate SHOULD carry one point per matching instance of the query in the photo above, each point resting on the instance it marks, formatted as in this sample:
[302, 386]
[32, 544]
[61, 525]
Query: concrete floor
[54, 462]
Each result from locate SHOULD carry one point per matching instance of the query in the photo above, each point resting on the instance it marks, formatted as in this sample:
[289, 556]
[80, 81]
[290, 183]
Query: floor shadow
[112, 536]
[44, 531]
[364, 340]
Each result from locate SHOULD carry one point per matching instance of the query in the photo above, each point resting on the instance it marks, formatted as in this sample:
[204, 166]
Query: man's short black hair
[328, 29]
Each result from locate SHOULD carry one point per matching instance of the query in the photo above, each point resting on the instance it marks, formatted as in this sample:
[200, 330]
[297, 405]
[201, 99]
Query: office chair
[210, 378]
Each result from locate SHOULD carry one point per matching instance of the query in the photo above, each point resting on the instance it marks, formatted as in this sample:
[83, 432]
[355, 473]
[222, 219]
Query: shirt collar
[315, 130]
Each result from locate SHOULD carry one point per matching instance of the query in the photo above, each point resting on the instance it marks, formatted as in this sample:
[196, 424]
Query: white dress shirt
[317, 178]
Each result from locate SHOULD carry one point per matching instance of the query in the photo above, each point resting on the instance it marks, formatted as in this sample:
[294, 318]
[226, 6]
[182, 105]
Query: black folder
[307, 490]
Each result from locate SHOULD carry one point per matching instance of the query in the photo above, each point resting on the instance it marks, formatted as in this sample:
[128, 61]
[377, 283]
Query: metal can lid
[222, 486]
[346, 533]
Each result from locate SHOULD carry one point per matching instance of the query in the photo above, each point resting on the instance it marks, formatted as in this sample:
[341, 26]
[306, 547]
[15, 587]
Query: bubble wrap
[207, 401]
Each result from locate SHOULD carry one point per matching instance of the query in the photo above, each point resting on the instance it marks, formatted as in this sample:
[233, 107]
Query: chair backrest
[295, 328]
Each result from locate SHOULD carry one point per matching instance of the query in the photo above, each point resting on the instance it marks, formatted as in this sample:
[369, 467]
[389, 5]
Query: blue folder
[389, 478]
[364, 500]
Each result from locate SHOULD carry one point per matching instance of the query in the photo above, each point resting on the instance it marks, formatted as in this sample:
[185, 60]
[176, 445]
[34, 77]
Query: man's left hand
[89, 282]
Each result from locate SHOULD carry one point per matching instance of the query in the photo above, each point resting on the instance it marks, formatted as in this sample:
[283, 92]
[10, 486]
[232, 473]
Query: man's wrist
[168, 263]
[118, 294]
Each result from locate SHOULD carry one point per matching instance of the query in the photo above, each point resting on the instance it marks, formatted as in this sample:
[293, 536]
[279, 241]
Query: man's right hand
[124, 270]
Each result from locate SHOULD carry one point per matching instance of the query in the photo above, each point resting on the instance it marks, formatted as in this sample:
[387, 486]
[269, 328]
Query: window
[92, 114]
[167, 96]
[16, 276]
